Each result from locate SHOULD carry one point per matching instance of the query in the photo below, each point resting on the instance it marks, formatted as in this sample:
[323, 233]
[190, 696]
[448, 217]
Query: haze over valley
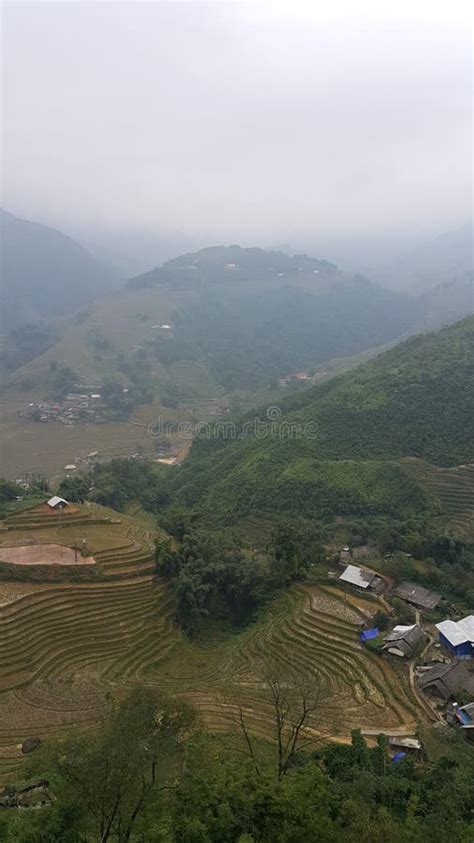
[236, 423]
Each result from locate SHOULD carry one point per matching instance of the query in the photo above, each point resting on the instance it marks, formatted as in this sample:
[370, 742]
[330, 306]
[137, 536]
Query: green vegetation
[246, 316]
[261, 314]
[117, 629]
[214, 578]
[129, 784]
[9, 491]
[259, 631]
[336, 449]
[122, 481]
[24, 343]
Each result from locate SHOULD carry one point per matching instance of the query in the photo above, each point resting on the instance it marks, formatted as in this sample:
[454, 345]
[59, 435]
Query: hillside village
[87, 405]
[439, 653]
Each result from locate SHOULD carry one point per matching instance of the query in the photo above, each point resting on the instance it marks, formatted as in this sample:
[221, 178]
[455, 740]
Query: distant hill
[447, 302]
[240, 318]
[436, 262]
[443, 259]
[339, 449]
[44, 273]
[255, 314]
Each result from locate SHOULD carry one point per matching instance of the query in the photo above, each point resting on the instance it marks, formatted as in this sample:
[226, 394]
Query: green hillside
[260, 314]
[44, 273]
[338, 449]
[239, 318]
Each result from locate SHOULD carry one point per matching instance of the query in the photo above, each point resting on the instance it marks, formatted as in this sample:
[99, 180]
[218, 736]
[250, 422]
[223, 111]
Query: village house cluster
[303, 377]
[86, 405]
[441, 654]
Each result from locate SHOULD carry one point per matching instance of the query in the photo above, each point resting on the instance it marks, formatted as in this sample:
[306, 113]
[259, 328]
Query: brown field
[66, 649]
[43, 554]
[46, 448]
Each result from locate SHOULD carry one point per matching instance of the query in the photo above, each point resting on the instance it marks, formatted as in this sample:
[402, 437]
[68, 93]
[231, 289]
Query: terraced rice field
[454, 488]
[67, 648]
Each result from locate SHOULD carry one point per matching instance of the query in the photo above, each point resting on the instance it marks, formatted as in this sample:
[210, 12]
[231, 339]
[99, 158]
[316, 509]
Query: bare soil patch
[44, 554]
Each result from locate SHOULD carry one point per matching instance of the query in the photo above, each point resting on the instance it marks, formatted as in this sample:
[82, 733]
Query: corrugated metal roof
[55, 500]
[403, 639]
[356, 576]
[447, 679]
[399, 632]
[418, 595]
[458, 632]
[409, 743]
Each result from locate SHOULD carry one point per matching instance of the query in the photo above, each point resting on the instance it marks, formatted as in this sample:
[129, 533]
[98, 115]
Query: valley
[224, 327]
[69, 646]
[236, 423]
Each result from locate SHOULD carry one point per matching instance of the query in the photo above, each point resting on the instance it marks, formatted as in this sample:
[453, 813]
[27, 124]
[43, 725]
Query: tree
[39, 484]
[295, 546]
[292, 697]
[112, 777]
[75, 489]
[381, 620]
[9, 490]
[191, 595]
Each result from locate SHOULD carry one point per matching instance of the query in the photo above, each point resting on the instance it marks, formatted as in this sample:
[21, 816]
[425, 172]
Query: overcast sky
[240, 120]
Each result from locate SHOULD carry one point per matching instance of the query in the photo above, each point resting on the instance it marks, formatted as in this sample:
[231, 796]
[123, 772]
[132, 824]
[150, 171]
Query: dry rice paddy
[66, 648]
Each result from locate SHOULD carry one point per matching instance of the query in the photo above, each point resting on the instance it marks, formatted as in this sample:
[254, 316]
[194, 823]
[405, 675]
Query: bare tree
[292, 697]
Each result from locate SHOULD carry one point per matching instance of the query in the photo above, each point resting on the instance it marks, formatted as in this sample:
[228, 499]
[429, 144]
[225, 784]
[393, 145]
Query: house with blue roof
[458, 636]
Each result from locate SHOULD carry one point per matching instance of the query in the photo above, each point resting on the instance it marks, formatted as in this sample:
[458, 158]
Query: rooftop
[418, 595]
[408, 743]
[447, 679]
[357, 576]
[403, 639]
[55, 500]
[400, 631]
[458, 632]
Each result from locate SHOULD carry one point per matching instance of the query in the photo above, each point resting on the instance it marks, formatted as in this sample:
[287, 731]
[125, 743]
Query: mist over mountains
[46, 274]
[248, 315]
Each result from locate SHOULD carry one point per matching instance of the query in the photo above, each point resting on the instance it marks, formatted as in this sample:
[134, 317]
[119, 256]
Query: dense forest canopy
[416, 400]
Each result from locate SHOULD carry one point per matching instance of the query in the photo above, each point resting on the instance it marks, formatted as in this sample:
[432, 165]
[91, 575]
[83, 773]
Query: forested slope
[338, 448]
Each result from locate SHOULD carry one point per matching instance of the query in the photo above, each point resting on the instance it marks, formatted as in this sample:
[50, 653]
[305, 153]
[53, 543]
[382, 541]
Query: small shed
[458, 636]
[402, 641]
[57, 503]
[405, 744]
